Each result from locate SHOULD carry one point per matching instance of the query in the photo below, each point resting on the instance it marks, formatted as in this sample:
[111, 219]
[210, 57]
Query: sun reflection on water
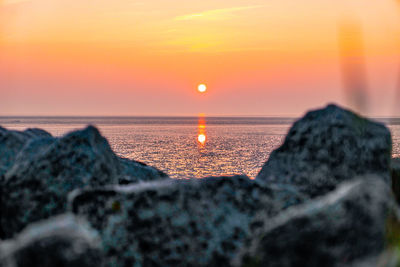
[201, 136]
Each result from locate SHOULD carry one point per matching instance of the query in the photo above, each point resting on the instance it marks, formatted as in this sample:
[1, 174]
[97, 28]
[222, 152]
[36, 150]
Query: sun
[202, 88]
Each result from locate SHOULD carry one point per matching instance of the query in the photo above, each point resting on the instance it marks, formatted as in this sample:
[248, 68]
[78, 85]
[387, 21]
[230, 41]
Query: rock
[347, 225]
[62, 241]
[37, 184]
[325, 148]
[11, 142]
[389, 258]
[395, 169]
[135, 171]
[195, 222]
[47, 169]
[80, 156]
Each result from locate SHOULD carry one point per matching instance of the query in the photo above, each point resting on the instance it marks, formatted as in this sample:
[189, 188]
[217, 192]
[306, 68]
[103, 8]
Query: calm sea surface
[186, 146]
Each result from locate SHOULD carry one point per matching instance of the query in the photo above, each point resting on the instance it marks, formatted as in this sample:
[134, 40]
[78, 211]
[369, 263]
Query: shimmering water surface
[186, 146]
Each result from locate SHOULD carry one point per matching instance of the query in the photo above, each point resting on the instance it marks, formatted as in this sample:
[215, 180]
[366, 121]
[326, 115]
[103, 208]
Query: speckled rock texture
[11, 142]
[196, 222]
[324, 148]
[46, 169]
[62, 241]
[346, 225]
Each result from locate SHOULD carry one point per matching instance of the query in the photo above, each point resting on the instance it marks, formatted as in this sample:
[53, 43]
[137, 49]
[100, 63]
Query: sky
[135, 57]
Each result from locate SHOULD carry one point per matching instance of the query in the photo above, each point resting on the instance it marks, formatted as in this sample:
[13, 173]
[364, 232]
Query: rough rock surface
[11, 142]
[62, 241]
[326, 147]
[47, 169]
[196, 222]
[346, 225]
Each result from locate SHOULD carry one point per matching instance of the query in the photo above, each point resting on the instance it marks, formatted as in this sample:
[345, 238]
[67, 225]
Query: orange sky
[132, 57]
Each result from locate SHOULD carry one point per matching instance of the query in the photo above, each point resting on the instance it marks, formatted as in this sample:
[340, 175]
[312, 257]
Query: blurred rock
[62, 241]
[325, 148]
[46, 169]
[347, 225]
[196, 222]
[389, 258]
[395, 169]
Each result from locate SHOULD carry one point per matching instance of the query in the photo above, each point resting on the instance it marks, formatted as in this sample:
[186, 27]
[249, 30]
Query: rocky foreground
[324, 198]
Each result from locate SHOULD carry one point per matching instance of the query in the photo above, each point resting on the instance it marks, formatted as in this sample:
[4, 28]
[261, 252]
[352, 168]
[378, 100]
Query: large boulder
[348, 224]
[62, 241]
[11, 142]
[195, 222]
[47, 169]
[325, 148]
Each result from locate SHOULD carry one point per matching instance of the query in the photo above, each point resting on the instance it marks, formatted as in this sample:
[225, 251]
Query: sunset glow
[202, 88]
[145, 57]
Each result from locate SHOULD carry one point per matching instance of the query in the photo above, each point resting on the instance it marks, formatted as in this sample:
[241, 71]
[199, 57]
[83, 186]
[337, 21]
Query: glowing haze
[127, 57]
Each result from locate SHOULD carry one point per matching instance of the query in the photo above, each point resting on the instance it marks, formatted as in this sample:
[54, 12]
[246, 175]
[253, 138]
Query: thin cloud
[216, 13]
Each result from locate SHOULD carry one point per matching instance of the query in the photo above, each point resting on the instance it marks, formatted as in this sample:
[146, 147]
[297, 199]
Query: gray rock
[396, 164]
[325, 148]
[395, 169]
[11, 142]
[389, 258]
[84, 155]
[347, 225]
[135, 171]
[62, 241]
[196, 222]
[47, 169]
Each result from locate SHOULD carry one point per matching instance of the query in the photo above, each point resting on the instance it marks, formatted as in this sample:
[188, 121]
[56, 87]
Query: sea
[187, 147]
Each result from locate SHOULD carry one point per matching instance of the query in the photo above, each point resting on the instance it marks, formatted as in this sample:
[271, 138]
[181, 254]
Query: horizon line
[179, 116]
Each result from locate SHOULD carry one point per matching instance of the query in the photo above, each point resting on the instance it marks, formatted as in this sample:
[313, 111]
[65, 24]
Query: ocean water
[187, 147]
